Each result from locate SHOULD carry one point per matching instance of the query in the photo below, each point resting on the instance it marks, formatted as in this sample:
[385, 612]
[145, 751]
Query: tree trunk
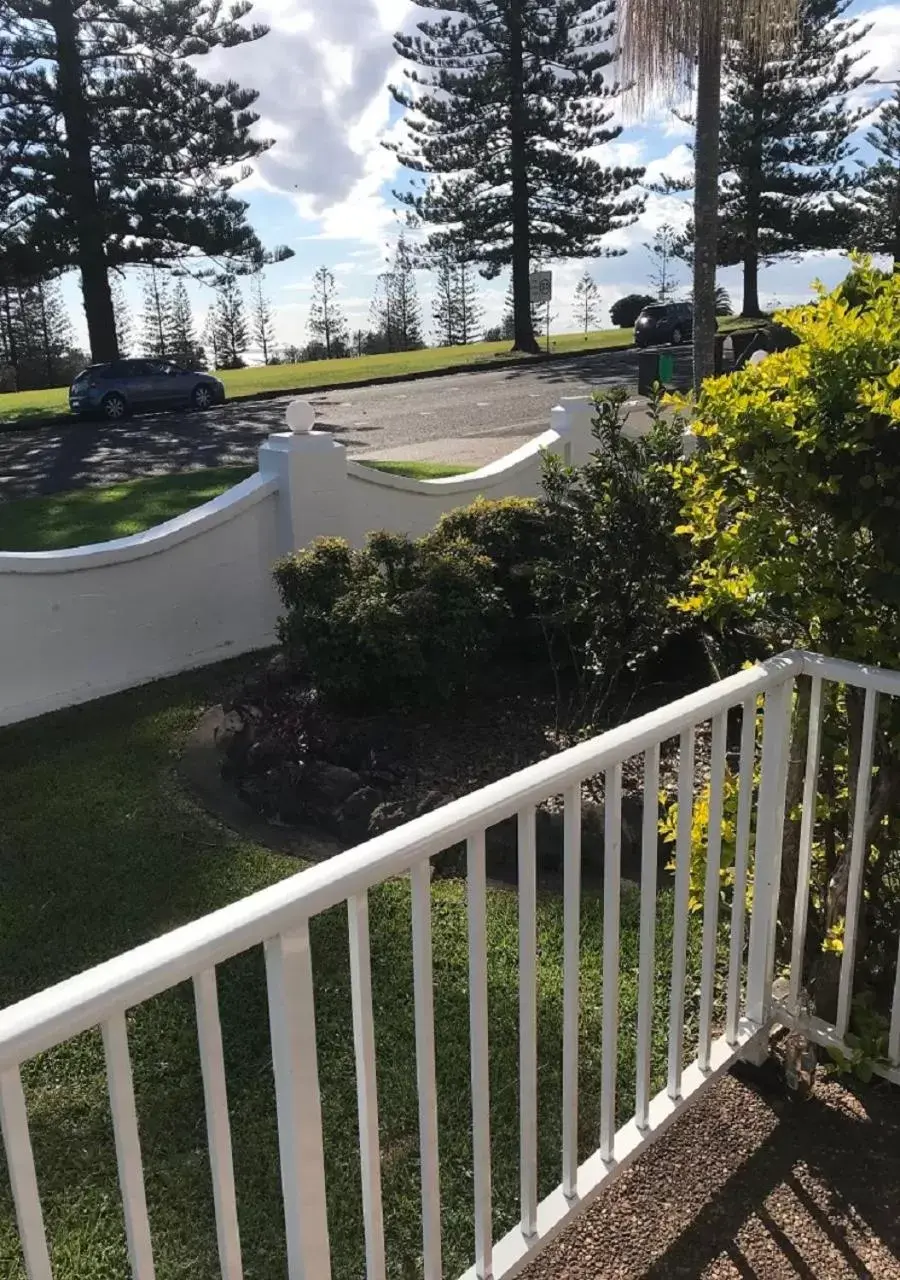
[750, 306]
[45, 335]
[706, 190]
[523, 328]
[12, 346]
[81, 187]
[752, 178]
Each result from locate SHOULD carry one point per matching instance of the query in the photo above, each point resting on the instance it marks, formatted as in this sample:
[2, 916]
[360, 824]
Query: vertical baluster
[292, 1025]
[478, 1034]
[682, 892]
[571, 960]
[366, 1083]
[646, 977]
[770, 805]
[528, 1020]
[711, 887]
[807, 826]
[218, 1128]
[22, 1176]
[612, 868]
[741, 858]
[857, 861]
[426, 1085]
[894, 1034]
[128, 1147]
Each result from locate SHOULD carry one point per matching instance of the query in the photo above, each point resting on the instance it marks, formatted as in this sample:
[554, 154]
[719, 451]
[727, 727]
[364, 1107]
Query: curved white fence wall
[380, 501]
[77, 624]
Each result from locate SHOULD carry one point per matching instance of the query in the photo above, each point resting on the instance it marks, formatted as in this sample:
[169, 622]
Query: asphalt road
[513, 403]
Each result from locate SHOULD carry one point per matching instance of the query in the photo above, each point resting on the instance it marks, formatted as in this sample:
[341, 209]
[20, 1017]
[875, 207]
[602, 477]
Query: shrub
[792, 502]
[604, 595]
[668, 829]
[626, 310]
[396, 624]
[856, 287]
[579, 579]
[512, 534]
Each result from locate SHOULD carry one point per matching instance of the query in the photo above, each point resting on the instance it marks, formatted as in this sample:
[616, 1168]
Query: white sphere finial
[301, 417]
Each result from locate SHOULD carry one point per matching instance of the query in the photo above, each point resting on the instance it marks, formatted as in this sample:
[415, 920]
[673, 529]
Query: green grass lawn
[419, 470]
[97, 515]
[101, 850]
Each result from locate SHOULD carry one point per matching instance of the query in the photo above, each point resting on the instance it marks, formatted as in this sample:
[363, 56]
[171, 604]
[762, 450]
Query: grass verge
[420, 470]
[98, 515]
[101, 851]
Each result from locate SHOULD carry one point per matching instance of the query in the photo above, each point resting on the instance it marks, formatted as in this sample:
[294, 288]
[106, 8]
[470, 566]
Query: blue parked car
[115, 389]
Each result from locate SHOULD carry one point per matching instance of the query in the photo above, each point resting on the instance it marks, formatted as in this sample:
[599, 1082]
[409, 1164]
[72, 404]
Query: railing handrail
[862, 675]
[76, 1004]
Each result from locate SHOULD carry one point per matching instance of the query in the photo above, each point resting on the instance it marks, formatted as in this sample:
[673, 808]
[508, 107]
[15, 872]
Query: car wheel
[676, 338]
[114, 407]
[202, 397]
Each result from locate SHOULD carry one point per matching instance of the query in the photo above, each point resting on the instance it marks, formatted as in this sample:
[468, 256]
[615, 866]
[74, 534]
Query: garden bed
[273, 762]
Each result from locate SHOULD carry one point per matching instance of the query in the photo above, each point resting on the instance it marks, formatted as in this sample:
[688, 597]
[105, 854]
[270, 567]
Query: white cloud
[881, 48]
[678, 164]
[321, 74]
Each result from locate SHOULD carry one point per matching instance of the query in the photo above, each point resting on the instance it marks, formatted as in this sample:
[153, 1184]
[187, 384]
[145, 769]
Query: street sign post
[541, 284]
[541, 287]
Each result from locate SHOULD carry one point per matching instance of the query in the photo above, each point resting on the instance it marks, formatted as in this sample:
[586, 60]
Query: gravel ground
[750, 1186]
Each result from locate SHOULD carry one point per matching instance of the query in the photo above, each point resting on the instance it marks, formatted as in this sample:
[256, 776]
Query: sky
[324, 187]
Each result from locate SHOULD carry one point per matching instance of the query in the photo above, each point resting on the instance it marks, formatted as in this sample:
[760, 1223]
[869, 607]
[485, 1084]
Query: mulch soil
[750, 1186]
[419, 761]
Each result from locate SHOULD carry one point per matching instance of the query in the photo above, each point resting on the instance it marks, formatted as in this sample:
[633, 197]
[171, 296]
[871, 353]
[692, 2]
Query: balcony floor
[748, 1186]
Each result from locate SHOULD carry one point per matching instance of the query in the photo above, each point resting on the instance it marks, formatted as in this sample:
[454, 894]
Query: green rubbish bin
[654, 366]
[650, 370]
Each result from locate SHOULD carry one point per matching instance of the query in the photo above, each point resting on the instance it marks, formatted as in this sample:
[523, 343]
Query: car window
[655, 311]
[137, 368]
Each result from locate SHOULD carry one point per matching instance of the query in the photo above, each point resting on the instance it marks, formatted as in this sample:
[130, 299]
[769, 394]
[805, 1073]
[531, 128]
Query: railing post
[573, 417]
[292, 1022]
[769, 839]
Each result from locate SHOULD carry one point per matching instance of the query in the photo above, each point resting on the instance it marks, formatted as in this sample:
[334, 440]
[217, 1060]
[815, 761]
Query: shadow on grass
[99, 515]
[100, 851]
[26, 414]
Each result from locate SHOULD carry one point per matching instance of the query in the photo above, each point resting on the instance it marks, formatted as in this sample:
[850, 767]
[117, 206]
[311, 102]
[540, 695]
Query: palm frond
[660, 40]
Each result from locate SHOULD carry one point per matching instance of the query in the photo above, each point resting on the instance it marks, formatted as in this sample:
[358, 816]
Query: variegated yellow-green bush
[793, 500]
[792, 503]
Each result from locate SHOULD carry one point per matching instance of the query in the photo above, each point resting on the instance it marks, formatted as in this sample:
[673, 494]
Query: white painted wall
[81, 623]
[77, 624]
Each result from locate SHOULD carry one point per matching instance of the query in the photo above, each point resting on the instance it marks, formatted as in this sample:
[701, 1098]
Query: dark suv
[114, 389]
[664, 322]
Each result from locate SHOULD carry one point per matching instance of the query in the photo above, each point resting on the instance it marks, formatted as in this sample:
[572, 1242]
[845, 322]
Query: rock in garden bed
[297, 765]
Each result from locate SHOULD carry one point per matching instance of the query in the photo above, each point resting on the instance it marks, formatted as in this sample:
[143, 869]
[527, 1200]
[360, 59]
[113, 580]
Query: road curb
[420, 375]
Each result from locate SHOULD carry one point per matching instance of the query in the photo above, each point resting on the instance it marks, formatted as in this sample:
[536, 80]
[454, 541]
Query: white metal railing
[278, 919]
[876, 682]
